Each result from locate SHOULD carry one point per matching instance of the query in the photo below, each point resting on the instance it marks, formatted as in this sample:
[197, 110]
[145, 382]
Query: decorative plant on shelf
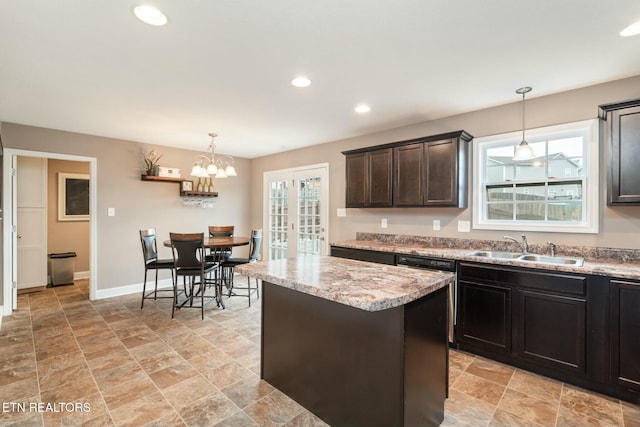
[151, 159]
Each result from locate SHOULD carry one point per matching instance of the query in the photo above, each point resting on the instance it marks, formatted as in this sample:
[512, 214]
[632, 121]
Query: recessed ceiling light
[150, 15]
[301, 81]
[362, 108]
[631, 30]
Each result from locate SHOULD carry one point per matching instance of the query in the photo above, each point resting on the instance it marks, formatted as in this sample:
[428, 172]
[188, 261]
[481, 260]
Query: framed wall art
[73, 197]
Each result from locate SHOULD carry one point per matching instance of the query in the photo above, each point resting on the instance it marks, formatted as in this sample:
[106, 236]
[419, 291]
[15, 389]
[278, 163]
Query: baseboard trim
[77, 275]
[135, 288]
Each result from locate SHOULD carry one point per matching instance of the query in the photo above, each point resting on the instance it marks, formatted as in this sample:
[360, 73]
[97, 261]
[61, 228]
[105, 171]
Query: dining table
[219, 243]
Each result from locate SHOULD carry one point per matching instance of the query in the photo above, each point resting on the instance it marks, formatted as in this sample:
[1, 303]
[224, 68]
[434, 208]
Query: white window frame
[590, 180]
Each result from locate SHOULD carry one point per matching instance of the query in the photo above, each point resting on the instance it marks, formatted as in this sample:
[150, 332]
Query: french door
[296, 210]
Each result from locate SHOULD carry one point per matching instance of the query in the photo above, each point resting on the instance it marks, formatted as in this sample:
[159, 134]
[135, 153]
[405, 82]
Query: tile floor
[132, 367]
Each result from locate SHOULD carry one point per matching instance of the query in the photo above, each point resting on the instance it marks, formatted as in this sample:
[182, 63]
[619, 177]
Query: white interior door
[296, 210]
[31, 225]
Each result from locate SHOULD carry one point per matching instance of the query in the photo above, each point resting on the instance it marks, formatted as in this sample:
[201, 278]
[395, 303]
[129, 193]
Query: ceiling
[226, 65]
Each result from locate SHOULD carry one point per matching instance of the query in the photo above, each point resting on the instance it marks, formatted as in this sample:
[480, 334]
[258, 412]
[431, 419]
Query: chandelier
[209, 166]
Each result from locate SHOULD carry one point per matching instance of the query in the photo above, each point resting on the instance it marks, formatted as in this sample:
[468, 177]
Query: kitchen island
[356, 343]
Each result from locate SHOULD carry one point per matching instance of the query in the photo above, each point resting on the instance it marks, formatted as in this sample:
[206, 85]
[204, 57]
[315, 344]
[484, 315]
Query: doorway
[10, 222]
[296, 211]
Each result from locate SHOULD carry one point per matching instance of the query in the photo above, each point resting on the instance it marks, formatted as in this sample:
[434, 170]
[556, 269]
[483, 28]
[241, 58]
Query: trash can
[62, 266]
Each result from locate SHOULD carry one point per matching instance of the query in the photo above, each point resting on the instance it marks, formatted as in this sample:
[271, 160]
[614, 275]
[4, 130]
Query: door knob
[19, 236]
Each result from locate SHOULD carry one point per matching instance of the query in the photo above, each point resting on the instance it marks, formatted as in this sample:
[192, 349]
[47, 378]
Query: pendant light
[524, 150]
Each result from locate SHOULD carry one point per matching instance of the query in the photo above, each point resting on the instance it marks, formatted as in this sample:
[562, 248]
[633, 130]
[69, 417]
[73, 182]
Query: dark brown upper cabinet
[368, 178]
[427, 171]
[432, 171]
[622, 133]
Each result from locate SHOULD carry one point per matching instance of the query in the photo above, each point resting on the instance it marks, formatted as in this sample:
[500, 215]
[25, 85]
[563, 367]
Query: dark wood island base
[353, 367]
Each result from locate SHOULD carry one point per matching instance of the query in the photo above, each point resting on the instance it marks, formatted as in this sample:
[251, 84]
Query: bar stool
[151, 262]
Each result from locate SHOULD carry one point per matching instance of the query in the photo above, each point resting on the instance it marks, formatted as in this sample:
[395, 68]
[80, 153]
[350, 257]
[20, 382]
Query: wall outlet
[341, 212]
[383, 223]
[436, 225]
[111, 211]
[464, 226]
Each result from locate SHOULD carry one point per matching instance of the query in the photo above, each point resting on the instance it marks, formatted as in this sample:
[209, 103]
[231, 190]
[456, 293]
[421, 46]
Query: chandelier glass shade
[208, 165]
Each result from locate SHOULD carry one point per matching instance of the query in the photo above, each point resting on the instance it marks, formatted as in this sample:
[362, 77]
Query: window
[555, 191]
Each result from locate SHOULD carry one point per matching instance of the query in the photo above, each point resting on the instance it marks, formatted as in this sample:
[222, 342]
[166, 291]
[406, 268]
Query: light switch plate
[436, 225]
[383, 223]
[341, 212]
[464, 226]
[111, 211]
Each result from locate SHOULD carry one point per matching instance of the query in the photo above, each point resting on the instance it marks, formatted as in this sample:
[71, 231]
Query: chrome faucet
[552, 248]
[524, 245]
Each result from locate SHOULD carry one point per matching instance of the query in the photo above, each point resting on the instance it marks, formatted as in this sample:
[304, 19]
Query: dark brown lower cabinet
[485, 316]
[625, 335]
[581, 329]
[353, 367]
[551, 330]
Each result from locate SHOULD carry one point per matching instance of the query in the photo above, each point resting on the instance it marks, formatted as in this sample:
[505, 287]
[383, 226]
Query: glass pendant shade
[221, 173]
[230, 171]
[523, 150]
[212, 169]
[195, 171]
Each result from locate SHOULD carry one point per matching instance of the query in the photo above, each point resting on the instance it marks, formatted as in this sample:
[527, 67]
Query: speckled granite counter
[363, 285]
[597, 261]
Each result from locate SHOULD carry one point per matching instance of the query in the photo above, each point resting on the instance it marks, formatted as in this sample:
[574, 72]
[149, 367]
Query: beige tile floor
[132, 367]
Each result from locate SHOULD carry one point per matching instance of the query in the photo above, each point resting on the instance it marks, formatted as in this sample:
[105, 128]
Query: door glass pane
[309, 230]
[278, 219]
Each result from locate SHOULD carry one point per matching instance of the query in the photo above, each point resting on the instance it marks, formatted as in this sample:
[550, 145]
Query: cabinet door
[379, 173]
[624, 156]
[552, 330]
[356, 177]
[442, 168]
[484, 318]
[409, 188]
[625, 330]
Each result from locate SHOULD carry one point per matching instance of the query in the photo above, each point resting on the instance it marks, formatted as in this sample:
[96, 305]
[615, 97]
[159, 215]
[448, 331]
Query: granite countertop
[364, 285]
[626, 269]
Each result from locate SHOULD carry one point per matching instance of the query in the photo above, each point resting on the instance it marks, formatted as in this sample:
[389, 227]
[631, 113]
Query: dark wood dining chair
[152, 262]
[229, 264]
[220, 254]
[189, 261]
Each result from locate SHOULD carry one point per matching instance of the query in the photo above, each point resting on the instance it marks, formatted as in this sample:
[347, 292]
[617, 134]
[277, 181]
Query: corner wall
[138, 204]
[617, 224]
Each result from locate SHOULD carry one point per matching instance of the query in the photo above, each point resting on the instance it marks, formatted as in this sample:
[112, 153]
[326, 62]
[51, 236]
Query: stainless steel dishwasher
[427, 263]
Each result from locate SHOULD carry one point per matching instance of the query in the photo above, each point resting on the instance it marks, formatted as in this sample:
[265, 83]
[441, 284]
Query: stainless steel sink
[517, 256]
[552, 259]
[495, 254]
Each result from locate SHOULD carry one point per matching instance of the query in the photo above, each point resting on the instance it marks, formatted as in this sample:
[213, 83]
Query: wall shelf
[198, 194]
[160, 178]
[202, 199]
